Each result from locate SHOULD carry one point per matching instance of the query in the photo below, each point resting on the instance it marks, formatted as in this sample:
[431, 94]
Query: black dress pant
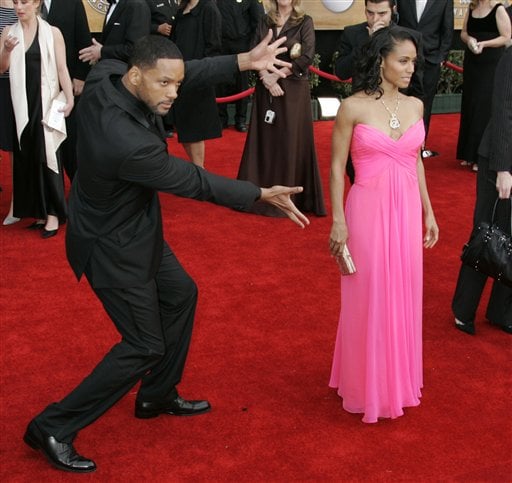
[240, 83]
[471, 283]
[430, 79]
[155, 322]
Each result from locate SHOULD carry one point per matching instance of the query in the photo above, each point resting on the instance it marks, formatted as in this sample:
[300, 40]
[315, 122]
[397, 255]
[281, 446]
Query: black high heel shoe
[467, 327]
[48, 233]
[37, 225]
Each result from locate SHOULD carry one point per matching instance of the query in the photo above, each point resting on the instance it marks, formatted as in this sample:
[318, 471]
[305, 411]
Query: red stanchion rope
[325, 75]
[454, 67]
[235, 97]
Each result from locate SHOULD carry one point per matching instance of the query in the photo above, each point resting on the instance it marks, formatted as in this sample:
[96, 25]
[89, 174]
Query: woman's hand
[68, 107]
[473, 45]
[10, 42]
[431, 231]
[276, 90]
[268, 79]
[504, 184]
[338, 238]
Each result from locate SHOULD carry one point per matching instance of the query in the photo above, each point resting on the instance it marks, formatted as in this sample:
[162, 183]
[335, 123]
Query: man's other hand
[280, 197]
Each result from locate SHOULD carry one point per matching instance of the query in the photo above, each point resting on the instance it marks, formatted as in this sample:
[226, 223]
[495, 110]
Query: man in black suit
[434, 20]
[114, 235]
[379, 13]
[239, 21]
[70, 18]
[162, 16]
[494, 174]
[126, 21]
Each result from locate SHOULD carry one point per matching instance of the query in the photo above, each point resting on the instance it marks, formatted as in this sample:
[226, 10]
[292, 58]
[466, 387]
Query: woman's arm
[464, 36]
[431, 228]
[341, 139]
[62, 70]
[503, 23]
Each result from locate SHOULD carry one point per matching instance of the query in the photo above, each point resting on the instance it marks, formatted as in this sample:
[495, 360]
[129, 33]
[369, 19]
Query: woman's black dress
[477, 86]
[38, 191]
[197, 34]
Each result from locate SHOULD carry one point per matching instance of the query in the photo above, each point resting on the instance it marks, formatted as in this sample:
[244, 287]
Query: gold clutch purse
[345, 262]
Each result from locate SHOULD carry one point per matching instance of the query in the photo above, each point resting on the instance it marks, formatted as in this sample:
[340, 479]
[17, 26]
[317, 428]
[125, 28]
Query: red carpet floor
[261, 352]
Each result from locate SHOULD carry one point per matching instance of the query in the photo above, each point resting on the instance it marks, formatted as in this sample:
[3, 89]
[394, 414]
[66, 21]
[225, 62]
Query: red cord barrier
[455, 67]
[325, 75]
[332, 77]
[235, 97]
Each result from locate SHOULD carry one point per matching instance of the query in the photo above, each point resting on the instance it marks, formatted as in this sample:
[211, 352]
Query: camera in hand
[270, 116]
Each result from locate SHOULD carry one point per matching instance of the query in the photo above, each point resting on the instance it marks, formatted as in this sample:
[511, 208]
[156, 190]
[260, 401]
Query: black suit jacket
[70, 18]
[351, 40]
[435, 25]
[130, 21]
[114, 231]
[162, 11]
[496, 144]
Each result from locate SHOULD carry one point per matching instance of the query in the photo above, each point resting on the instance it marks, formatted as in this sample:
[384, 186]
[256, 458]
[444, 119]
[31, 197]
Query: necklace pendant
[394, 122]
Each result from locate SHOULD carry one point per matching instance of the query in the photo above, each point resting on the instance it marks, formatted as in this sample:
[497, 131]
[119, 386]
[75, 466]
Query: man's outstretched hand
[280, 197]
[263, 56]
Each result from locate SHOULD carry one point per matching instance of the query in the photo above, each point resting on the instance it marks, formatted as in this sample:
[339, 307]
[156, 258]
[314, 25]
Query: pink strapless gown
[377, 364]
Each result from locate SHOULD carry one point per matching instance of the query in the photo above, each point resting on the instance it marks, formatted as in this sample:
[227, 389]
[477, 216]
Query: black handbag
[489, 250]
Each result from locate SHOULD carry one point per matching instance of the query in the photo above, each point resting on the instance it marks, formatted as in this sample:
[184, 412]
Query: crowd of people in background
[394, 59]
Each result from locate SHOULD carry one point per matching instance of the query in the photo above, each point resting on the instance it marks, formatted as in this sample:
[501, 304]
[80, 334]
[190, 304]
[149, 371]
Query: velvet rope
[455, 67]
[325, 75]
[235, 97]
[321, 73]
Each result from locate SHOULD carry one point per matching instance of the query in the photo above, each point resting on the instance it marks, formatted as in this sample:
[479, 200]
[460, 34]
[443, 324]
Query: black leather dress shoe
[241, 127]
[61, 455]
[176, 407]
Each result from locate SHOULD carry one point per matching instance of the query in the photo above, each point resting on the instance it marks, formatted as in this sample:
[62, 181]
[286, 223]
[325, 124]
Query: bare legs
[196, 152]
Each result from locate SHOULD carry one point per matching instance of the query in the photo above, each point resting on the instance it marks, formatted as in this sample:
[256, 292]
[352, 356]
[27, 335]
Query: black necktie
[44, 11]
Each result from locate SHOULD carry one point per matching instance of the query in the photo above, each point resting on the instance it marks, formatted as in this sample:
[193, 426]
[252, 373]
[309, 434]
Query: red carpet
[261, 352]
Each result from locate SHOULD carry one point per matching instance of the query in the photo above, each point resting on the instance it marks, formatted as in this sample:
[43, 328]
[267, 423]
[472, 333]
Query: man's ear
[134, 76]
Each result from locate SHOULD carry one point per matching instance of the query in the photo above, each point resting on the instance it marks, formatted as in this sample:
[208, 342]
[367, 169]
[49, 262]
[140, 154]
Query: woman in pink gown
[377, 366]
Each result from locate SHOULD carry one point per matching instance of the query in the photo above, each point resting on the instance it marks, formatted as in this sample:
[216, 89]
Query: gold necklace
[394, 122]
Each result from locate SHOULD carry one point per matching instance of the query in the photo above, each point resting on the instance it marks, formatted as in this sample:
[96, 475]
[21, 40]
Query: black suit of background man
[162, 16]
[436, 28]
[130, 21]
[239, 21]
[70, 18]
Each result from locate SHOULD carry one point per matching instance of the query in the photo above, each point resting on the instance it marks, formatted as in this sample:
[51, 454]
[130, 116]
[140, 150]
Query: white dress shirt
[420, 7]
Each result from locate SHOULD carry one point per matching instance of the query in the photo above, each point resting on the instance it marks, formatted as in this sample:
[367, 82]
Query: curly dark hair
[378, 47]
